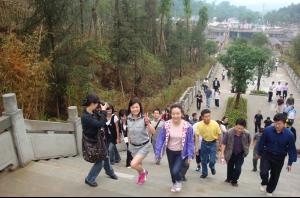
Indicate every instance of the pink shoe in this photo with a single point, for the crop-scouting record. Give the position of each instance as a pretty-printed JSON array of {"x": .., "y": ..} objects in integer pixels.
[
  {"x": 143, "y": 177},
  {"x": 139, "y": 179}
]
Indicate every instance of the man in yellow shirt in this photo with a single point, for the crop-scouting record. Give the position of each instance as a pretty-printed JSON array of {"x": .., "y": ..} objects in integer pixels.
[{"x": 211, "y": 134}]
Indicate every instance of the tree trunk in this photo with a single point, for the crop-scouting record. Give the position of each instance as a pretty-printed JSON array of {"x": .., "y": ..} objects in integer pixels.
[
  {"x": 238, "y": 100},
  {"x": 161, "y": 33},
  {"x": 180, "y": 65},
  {"x": 258, "y": 83},
  {"x": 121, "y": 83},
  {"x": 81, "y": 18}
]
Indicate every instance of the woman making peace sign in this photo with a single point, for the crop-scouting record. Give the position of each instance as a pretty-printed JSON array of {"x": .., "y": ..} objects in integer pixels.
[{"x": 139, "y": 128}]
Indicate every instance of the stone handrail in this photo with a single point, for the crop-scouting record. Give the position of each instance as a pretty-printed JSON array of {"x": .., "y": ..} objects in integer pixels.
[
  {"x": 22, "y": 141},
  {"x": 292, "y": 74},
  {"x": 8, "y": 156},
  {"x": 188, "y": 96},
  {"x": 4, "y": 123},
  {"x": 35, "y": 126}
]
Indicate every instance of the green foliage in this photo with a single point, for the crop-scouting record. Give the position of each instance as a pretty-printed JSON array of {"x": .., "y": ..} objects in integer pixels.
[
  {"x": 260, "y": 93},
  {"x": 239, "y": 60},
  {"x": 222, "y": 10},
  {"x": 259, "y": 39},
  {"x": 112, "y": 48},
  {"x": 233, "y": 114},
  {"x": 290, "y": 14},
  {"x": 211, "y": 47}
]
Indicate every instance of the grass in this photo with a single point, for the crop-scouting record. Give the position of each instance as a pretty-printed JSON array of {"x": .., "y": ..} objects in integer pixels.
[
  {"x": 234, "y": 114},
  {"x": 260, "y": 93}
]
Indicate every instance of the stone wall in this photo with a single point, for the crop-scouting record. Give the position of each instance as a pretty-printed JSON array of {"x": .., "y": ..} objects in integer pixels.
[{"x": 292, "y": 74}]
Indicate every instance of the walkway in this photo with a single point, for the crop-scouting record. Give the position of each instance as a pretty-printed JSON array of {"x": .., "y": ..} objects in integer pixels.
[{"x": 65, "y": 177}]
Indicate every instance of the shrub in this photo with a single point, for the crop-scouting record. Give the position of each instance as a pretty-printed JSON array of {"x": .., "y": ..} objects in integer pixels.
[{"x": 234, "y": 114}]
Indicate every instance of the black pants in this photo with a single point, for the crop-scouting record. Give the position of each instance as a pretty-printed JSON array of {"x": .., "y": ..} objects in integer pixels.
[
  {"x": 176, "y": 164},
  {"x": 129, "y": 157},
  {"x": 217, "y": 103},
  {"x": 270, "y": 96},
  {"x": 278, "y": 93},
  {"x": 198, "y": 158},
  {"x": 234, "y": 168},
  {"x": 273, "y": 163},
  {"x": 198, "y": 104},
  {"x": 285, "y": 94},
  {"x": 257, "y": 127}
]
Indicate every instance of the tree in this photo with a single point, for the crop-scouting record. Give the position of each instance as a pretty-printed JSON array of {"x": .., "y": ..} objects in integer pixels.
[
  {"x": 211, "y": 47},
  {"x": 261, "y": 57},
  {"x": 259, "y": 39},
  {"x": 296, "y": 48},
  {"x": 241, "y": 63},
  {"x": 188, "y": 14},
  {"x": 198, "y": 36},
  {"x": 165, "y": 7}
]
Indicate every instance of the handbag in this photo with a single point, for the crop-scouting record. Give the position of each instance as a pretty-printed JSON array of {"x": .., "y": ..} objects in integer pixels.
[{"x": 94, "y": 150}]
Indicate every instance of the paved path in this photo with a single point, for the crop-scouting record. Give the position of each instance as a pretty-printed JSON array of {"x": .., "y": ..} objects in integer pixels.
[{"x": 64, "y": 177}]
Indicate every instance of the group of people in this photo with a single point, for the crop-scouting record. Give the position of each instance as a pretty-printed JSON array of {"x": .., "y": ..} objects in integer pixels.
[
  {"x": 181, "y": 140},
  {"x": 209, "y": 94}
]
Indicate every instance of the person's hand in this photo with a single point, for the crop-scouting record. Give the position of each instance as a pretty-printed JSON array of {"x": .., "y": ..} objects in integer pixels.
[
  {"x": 189, "y": 161},
  {"x": 258, "y": 157},
  {"x": 104, "y": 107},
  {"x": 197, "y": 153},
  {"x": 147, "y": 119},
  {"x": 289, "y": 169}
]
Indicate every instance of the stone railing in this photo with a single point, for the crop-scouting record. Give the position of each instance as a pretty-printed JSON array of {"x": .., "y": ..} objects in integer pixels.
[
  {"x": 22, "y": 141},
  {"x": 8, "y": 156},
  {"x": 292, "y": 74},
  {"x": 186, "y": 100}
]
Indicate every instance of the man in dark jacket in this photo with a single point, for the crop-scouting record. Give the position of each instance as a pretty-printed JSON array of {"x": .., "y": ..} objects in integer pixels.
[
  {"x": 235, "y": 147},
  {"x": 274, "y": 145},
  {"x": 216, "y": 84}
]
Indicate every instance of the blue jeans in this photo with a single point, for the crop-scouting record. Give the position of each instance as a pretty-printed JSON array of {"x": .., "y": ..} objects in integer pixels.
[
  {"x": 208, "y": 101},
  {"x": 208, "y": 156},
  {"x": 175, "y": 164},
  {"x": 113, "y": 153},
  {"x": 96, "y": 169}
]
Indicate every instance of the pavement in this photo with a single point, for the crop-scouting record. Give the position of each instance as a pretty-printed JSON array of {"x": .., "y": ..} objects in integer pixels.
[{"x": 65, "y": 177}]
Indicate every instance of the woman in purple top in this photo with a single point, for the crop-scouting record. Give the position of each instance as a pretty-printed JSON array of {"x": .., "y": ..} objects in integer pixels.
[{"x": 177, "y": 137}]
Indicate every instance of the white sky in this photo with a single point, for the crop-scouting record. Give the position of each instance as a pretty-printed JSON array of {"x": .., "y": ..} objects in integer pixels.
[{"x": 258, "y": 5}]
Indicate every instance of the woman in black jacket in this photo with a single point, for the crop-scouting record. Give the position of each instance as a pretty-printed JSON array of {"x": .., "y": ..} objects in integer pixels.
[
  {"x": 92, "y": 124},
  {"x": 124, "y": 131}
]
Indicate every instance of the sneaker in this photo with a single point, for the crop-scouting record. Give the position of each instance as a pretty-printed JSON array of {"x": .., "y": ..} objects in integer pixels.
[
  {"x": 157, "y": 162},
  {"x": 94, "y": 184},
  {"x": 198, "y": 169},
  {"x": 235, "y": 184},
  {"x": 178, "y": 187},
  {"x": 113, "y": 176},
  {"x": 263, "y": 188},
  {"x": 227, "y": 181},
  {"x": 213, "y": 171},
  {"x": 203, "y": 176},
  {"x": 254, "y": 170},
  {"x": 269, "y": 194},
  {"x": 173, "y": 189},
  {"x": 143, "y": 178},
  {"x": 139, "y": 179}
]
